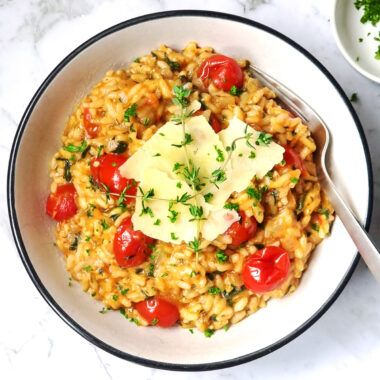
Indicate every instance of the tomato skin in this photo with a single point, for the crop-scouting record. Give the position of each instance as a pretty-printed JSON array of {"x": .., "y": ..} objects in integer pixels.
[
  {"x": 91, "y": 128},
  {"x": 223, "y": 71},
  {"x": 166, "y": 313},
  {"x": 61, "y": 205},
  {"x": 292, "y": 158},
  {"x": 215, "y": 125},
  {"x": 105, "y": 170},
  {"x": 130, "y": 247},
  {"x": 266, "y": 269},
  {"x": 242, "y": 230}
]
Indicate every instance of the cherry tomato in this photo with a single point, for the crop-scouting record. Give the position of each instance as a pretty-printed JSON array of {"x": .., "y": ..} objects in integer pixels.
[
  {"x": 91, "y": 128},
  {"x": 158, "y": 311},
  {"x": 105, "y": 171},
  {"x": 242, "y": 230},
  {"x": 293, "y": 159},
  {"x": 222, "y": 70},
  {"x": 61, "y": 204},
  {"x": 130, "y": 247},
  {"x": 215, "y": 125},
  {"x": 266, "y": 269}
]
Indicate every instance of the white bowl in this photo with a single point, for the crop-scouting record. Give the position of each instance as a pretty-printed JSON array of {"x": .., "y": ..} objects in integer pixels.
[
  {"x": 37, "y": 139},
  {"x": 347, "y": 31}
]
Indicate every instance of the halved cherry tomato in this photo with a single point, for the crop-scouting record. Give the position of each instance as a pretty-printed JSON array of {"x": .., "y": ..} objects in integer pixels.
[
  {"x": 242, "y": 230},
  {"x": 223, "y": 71},
  {"x": 293, "y": 159},
  {"x": 105, "y": 171},
  {"x": 130, "y": 247},
  {"x": 91, "y": 128},
  {"x": 215, "y": 125},
  {"x": 158, "y": 311},
  {"x": 266, "y": 269},
  {"x": 61, "y": 204}
]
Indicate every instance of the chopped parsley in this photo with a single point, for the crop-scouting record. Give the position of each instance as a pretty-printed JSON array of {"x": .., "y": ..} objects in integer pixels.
[
  {"x": 172, "y": 235},
  {"x": 209, "y": 333},
  {"x": 315, "y": 227},
  {"x": 294, "y": 180},
  {"x": 164, "y": 275},
  {"x": 104, "y": 225},
  {"x": 88, "y": 268},
  {"x": 236, "y": 91},
  {"x": 131, "y": 111},
  {"x": 214, "y": 290},
  {"x": 231, "y": 206},
  {"x": 174, "y": 66},
  {"x": 371, "y": 11},
  {"x": 137, "y": 60},
  {"x": 157, "y": 222},
  {"x": 154, "y": 322},
  {"x": 114, "y": 297},
  {"x": 324, "y": 211},
  {"x": 252, "y": 155},
  {"x": 354, "y": 97},
  {"x": 121, "y": 147},
  {"x": 221, "y": 257},
  {"x": 72, "y": 148}
]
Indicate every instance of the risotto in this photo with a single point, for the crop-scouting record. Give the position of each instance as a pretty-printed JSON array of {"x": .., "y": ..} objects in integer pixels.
[{"x": 271, "y": 226}]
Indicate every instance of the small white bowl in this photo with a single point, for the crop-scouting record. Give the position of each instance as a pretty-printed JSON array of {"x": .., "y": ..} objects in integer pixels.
[
  {"x": 348, "y": 30},
  {"x": 37, "y": 139}
]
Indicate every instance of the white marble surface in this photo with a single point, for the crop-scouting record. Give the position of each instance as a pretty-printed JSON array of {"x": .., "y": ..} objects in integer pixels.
[{"x": 34, "y": 36}]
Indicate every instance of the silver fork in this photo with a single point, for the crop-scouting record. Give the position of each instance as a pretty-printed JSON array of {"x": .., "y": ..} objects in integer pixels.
[{"x": 320, "y": 133}]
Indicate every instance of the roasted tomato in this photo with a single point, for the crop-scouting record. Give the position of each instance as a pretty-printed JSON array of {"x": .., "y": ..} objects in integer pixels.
[
  {"x": 215, "y": 125},
  {"x": 91, "y": 128},
  {"x": 61, "y": 204},
  {"x": 242, "y": 230},
  {"x": 105, "y": 172},
  {"x": 293, "y": 159},
  {"x": 266, "y": 269},
  {"x": 158, "y": 311},
  {"x": 223, "y": 71},
  {"x": 130, "y": 247}
]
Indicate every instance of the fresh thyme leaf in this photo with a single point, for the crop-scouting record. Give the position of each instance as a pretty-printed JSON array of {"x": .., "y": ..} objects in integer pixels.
[
  {"x": 173, "y": 214},
  {"x": 195, "y": 245},
  {"x": 263, "y": 139},
  {"x": 131, "y": 111},
  {"x": 208, "y": 197},
  {"x": 188, "y": 140},
  {"x": 220, "y": 157},
  {"x": 177, "y": 166},
  {"x": 181, "y": 94},
  {"x": 197, "y": 212}
]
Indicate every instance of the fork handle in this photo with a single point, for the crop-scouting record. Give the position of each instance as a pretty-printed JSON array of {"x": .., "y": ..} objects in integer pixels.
[{"x": 363, "y": 242}]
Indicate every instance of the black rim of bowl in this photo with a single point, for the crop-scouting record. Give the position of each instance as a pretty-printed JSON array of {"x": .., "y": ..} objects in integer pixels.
[{"x": 24, "y": 255}]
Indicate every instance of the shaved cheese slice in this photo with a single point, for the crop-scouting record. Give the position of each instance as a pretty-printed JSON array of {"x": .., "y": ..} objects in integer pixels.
[
  {"x": 160, "y": 165},
  {"x": 165, "y": 230},
  {"x": 218, "y": 222},
  {"x": 265, "y": 156}
]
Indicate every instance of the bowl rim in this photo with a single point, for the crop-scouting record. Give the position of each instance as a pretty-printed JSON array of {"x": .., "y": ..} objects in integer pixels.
[
  {"x": 343, "y": 49},
  {"x": 24, "y": 255}
]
